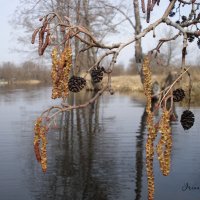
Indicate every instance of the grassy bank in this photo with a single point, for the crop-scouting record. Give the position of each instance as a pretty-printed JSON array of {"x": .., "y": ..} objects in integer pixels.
[
  {"x": 22, "y": 82},
  {"x": 132, "y": 84},
  {"x": 126, "y": 84},
  {"x": 29, "y": 82}
]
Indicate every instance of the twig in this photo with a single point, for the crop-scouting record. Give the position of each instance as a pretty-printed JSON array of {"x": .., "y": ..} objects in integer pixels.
[
  {"x": 171, "y": 86},
  {"x": 49, "y": 110},
  {"x": 163, "y": 40}
]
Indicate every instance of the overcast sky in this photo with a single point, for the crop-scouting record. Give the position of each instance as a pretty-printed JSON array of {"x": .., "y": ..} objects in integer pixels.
[{"x": 8, "y": 40}]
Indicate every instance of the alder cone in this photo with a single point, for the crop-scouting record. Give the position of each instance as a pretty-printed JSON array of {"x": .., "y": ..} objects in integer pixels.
[
  {"x": 191, "y": 38},
  {"x": 178, "y": 95},
  {"x": 97, "y": 74},
  {"x": 76, "y": 84},
  {"x": 187, "y": 119}
]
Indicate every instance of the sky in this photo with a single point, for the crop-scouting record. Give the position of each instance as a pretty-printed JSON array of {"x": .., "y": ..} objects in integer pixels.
[
  {"x": 7, "y": 33},
  {"x": 8, "y": 40}
]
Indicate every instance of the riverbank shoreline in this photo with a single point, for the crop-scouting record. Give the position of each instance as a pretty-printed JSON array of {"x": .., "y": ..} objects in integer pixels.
[
  {"x": 22, "y": 82},
  {"x": 129, "y": 84}
]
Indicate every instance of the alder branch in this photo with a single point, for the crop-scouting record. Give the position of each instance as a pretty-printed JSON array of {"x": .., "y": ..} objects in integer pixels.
[
  {"x": 166, "y": 91},
  {"x": 66, "y": 107},
  {"x": 163, "y": 40},
  {"x": 189, "y": 2},
  {"x": 63, "y": 82},
  {"x": 93, "y": 39},
  {"x": 115, "y": 49}
]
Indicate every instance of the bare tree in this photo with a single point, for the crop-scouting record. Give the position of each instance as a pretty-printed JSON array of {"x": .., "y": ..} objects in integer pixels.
[
  {"x": 172, "y": 47},
  {"x": 138, "y": 46},
  {"x": 8, "y": 70},
  {"x": 28, "y": 70},
  {"x": 90, "y": 14}
]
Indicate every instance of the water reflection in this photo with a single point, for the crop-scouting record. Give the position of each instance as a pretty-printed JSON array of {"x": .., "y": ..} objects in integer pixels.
[
  {"x": 98, "y": 153},
  {"x": 139, "y": 155},
  {"x": 90, "y": 159},
  {"x": 71, "y": 156}
]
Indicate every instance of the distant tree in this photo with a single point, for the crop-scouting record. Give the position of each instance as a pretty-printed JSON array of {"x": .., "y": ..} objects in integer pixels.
[
  {"x": 26, "y": 71},
  {"x": 138, "y": 45},
  {"x": 132, "y": 67},
  {"x": 93, "y": 15},
  {"x": 170, "y": 49},
  {"x": 119, "y": 70},
  {"x": 8, "y": 71}
]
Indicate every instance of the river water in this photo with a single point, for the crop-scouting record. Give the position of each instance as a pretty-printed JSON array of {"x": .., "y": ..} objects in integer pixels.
[{"x": 97, "y": 153}]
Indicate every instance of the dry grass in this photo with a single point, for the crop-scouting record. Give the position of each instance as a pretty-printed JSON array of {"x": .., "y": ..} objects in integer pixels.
[
  {"x": 133, "y": 84},
  {"x": 121, "y": 83},
  {"x": 127, "y": 84},
  {"x": 195, "y": 92},
  {"x": 29, "y": 82}
]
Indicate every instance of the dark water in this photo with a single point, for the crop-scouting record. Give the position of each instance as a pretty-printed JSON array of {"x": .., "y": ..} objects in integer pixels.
[{"x": 97, "y": 154}]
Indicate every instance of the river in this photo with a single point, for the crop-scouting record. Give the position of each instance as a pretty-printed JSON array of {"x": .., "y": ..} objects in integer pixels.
[{"x": 96, "y": 153}]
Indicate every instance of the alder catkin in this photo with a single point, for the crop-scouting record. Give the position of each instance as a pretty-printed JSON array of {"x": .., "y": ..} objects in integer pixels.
[
  {"x": 36, "y": 141},
  {"x": 164, "y": 145},
  {"x": 34, "y": 35},
  {"x": 60, "y": 72},
  {"x": 148, "y": 10},
  {"x": 40, "y": 136},
  {"x": 41, "y": 36},
  {"x": 67, "y": 65},
  {"x": 151, "y": 128},
  {"x": 43, "y": 149},
  {"x": 54, "y": 74},
  {"x": 143, "y": 6},
  {"x": 46, "y": 43},
  {"x": 153, "y": 4}
]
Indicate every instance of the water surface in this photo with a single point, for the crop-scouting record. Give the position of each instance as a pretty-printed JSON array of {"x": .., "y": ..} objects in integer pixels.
[{"x": 97, "y": 153}]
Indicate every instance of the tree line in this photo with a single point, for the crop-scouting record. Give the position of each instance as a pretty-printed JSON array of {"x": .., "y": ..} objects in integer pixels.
[
  {"x": 11, "y": 72},
  {"x": 28, "y": 70}
]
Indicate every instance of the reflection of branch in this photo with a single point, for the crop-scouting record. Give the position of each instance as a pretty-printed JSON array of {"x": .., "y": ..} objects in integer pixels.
[
  {"x": 67, "y": 107},
  {"x": 139, "y": 156}
]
